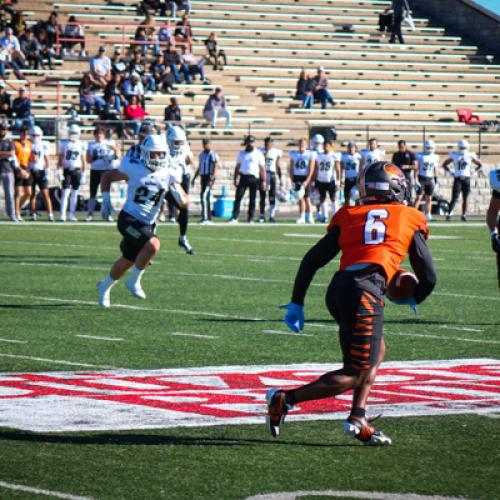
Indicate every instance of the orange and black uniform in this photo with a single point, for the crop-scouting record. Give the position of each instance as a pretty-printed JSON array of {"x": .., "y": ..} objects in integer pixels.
[
  {"x": 374, "y": 240},
  {"x": 23, "y": 154}
]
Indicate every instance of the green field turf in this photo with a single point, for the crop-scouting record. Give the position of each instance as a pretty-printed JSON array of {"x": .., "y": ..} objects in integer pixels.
[{"x": 229, "y": 292}]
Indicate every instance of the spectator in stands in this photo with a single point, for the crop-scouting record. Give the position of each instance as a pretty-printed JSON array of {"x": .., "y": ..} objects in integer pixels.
[
  {"x": 173, "y": 113},
  {"x": 177, "y": 4},
  {"x": 114, "y": 88},
  {"x": 407, "y": 162},
  {"x": 23, "y": 178},
  {"x": 75, "y": 32},
  {"x": 31, "y": 48},
  {"x": 173, "y": 60},
  {"x": 51, "y": 28},
  {"x": 216, "y": 107},
  {"x": 100, "y": 68},
  {"x": 305, "y": 90},
  {"x": 111, "y": 112},
  {"x": 46, "y": 52},
  {"x": 21, "y": 109},
  {"x": 321, "y": 92},
  {"x": 164, "y": 36},
  {"x": 134, "y": 113},
  {"x": 214, "y": 54},
  {"x": 163, "y": 76},
  {"x": 133, "y": 87},
  {"x": 385, "y": 21},
  {"x": 138, "y": 66},
  {"x": 398, "y": 8},
  {"x": 149, "y": 32},
  {"x": 13, "y": 48},
  {"x": 18, "y": 24},
  {"x": 5, "y": 101},
  {"x": 140, "y": 41},
  {"x": 191, "y": 67},
  {"x": 7, "y": 153},
  {"x": 147, "y": 6},
  {"x": 118, "y": 64},
  {"x": 183, "y": 30},
  {"x": 90, "y": 100}
]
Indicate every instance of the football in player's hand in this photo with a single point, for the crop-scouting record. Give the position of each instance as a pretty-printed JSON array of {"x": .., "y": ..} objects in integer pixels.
[{"x": 402, "y": 286}]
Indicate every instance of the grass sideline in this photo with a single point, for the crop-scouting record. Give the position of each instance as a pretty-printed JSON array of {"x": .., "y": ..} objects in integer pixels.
[{"x": 230, "y": 290}]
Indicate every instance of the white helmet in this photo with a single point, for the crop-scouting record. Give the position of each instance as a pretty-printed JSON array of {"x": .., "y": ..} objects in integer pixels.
[
  {"x": 36, "y": 133},
  {"x": 463, "y": 144},
  {"x": 317, "y": 141},
  {"x": 150, "y": 144},
  {"x": 176, "y": 138},
  {"x": 74, "y": 132},
  {"x": 429, "y": 146}
]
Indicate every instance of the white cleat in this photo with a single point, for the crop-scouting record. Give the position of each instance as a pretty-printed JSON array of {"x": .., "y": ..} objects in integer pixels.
[
  {"x": 62, "y": 218},
  {"x": 51, "y": 217},
  {"x": 135, "y": 289},
  {"x": 89, "y": 218},
  {"x": 300, "y": 221},
  {"x": 72, "y": 218},
  {"x": 311, "y": 221},
  {"x": 103, "y": 294},
  {"x": 362, "y": 430}
]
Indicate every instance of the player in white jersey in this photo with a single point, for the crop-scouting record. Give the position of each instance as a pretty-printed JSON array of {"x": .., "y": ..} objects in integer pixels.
[
  {"x": 301, "y": 170},
  {"x": 350, "y": 162},
  {"x": 39, "y": 164},
  {"x": 102, "y": 155},
  {"x": 71, "y": 165},
  {"x": 371, "y": 155},
  {"x": 492, "y": 218},
  {"x": 272, "y": 157},
  {"x": 462, "y": 170},
  {"x": 327, "y": 174},
  {"x": 428, "y": 163},
  {"x": 148, "y": 180}
]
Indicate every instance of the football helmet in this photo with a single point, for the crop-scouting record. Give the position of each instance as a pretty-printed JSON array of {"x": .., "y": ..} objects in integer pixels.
[
  {"x": 74, "y": 132},
  {"x": 154, "y": 143},
  {"x": 36, "y": 133},
  {"x": 463, "y": 144},
  {"x": 176, "y": 138},
  {"x": 317, "y": 141},
  {"x": 429, "y": 146},
  {"x": 382, "y": 181}
]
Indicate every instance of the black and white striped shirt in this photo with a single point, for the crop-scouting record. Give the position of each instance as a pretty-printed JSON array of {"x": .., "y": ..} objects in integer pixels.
[{"x": 207, "y": 161}]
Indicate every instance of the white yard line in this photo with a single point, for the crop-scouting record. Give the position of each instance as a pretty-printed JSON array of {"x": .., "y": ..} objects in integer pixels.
[
  {"x": 442, "y": 337},
  {"x": 11, "y": 341},
  {"x": 57, "y": 361},
  {"x": 39, "y": 491},
  {"x": 195, "y": 335},
  {"x": 293, "y": 334},
  {"x": 95, "y": 337},
  {"x": 460, "y": 328}
]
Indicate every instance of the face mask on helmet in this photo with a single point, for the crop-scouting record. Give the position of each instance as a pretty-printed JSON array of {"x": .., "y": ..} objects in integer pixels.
[
  {"x": 429, "y": 146},
  {"x": 463, "y": 145},
  {"x": 74, "y": 133},
  {"x": 176, "y": 139},
  {"x": 154, "y": 144}
]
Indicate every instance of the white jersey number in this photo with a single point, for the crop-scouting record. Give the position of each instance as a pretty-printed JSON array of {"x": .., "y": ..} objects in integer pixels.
[{"x": 375, "y": 227}]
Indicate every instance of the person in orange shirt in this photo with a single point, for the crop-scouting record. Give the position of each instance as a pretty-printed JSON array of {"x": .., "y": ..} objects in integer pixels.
[
  {"x": 23, "y": 181},
  {"x": 374, "y": 238}
]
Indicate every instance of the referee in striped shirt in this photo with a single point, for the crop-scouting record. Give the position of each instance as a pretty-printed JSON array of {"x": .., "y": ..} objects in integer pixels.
[{"x": 208, "y": 164}]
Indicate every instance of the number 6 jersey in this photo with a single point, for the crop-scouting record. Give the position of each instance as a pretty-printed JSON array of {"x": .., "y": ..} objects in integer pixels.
[
  {"x": 146, "y": 189},
  {"x": 378, "y": 234}
]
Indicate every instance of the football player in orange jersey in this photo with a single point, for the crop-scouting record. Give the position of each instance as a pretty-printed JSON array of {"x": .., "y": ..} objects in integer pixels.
[{"x": 374, "y": 239}]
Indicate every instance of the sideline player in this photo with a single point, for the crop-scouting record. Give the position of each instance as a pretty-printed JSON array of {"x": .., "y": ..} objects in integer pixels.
[
  {"x": 428, "y": 163},
  {"x": 39, "y": 166},
  {"x": 272, "y": 157},
  {"x": 350, "y": 162},
  {"x": 23, "y": 180},
  {"x": 301, "y": 170},
  {"x": 462, "y": 162},
  {"x": 101, "y": 154},
  {"x": 327, "y": 170},
  {"x": 71, "y": 170},
  {"x": 148, "y": 180},
  {"x": 492, "y": 218},
  {"x": 374, "y": 239},
  {"x": 181, "y": 158},
  {"x": 371, "y": 155}
]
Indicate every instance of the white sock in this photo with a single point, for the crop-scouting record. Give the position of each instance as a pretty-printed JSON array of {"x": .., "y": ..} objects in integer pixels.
[
  {"x": 72, "y": 201},
  {"x": 335, "y": 207},
  {"x": 91, "y": 206},
  {"x": 302, "y": 216},
  {"x": 324, "y": 210},
  {"x": 272, "y": 211},
  {"x": 307, "y": 216},
  {"x": 135, "y": 276},
  {"x": 64, "y": 201},
  {"x": 108, "y": 281}
]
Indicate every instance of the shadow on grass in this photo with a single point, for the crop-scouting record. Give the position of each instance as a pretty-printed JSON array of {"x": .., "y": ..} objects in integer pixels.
[
  {"x": 43, "y": 307},
  {"x": 155, "y": 440}
]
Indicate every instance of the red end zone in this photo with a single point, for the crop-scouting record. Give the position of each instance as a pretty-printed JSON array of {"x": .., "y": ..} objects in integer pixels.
[{"x": 131, "y": 399}]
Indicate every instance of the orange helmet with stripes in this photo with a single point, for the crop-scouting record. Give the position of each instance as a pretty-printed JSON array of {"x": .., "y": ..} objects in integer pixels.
[{"x": 382, "y": 182}]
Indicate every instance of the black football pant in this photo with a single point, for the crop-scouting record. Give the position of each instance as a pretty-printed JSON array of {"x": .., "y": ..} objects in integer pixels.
[
  {"x": 460, "y": 185},
  {"x": 271, "y": 187},
  {"x": 183, "y": 217},
  {"x": 396, "y": 29},
  {"x": 206, "y": 213},
  {"x": 250, "y": 182}
]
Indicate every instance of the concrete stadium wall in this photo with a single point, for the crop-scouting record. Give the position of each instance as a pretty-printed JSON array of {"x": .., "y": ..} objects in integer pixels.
[{"x": 466, "y": 18}]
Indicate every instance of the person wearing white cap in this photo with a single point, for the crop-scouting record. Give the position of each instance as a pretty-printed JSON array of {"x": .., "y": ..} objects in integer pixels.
[
  {"x": 462, "y": 162},
  {"x": 39, "y": 165},
  {"x": 321, "y": 92},
  {"x": 428, "y": 162},
  {"x": 100, "y": 68}
]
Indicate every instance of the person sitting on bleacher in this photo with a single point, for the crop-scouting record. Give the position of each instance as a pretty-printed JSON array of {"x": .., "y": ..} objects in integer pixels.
[
  {"x": 164, "y": 36},
  {"x": 164, "y": 78},
  {"x": 46, "y": 52},
  {"x": 21, "y": 109},
  {"x": 149, "y": 31},
  {"x": 321, "y": 91},
  {"x": 216, "y": 107},
  {"x": 183, "y": 30},
  {"x": 5, "y": 101},
  {"x": 100, "y": 68},
  {"x": 177, "y": 5},
  {"x": 90, "y": 100},
  {"x": 173, "y": 60},
  {"x": 192, "y": 67},
  {"x": 138, "y": 66},
  {"x": 76, "y": 33},
  {"x": 31, "y": 48},
  {"x": 13, "y": 48},
  {"x": 134, "y": 113},
  {"x": 214, "y": 54},
  {"x": 305, "y": 89},
  {"x": 114, "y": 88},
  {"x": 18, "y": 24},
  {"x": 118, "y": 64},
  {"x": 51, "y": 27},
  {"x": 133, "y": 86},
  {"x": 112, "y": 113},
  {"x": 173, "y": 113}
]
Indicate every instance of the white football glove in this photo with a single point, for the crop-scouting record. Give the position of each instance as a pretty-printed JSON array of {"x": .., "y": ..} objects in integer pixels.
[
  {"x": 300, "y": 193},
  {"x": 106, "y": 207},
  {"x": 83, "y": 177},
  {"x": 59, "y": 175}
]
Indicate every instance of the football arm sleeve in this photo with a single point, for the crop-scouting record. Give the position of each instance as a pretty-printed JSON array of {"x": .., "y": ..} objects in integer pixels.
[
  {"x": 318, "y": 256},
  {"x": 423, "y": 265}
]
